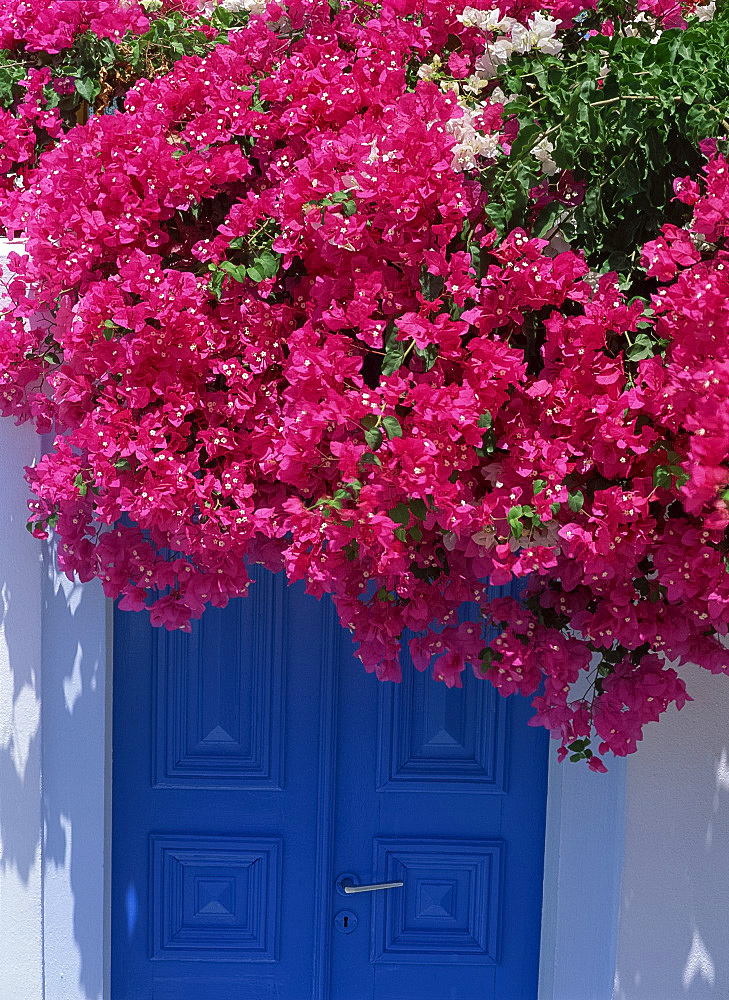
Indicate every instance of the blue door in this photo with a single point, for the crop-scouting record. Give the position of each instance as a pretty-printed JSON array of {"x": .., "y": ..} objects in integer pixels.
[{"x": 260, "y": 775}]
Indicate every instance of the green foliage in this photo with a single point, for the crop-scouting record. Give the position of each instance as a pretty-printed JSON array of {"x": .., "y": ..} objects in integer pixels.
[{"x": 625, "y": 114}]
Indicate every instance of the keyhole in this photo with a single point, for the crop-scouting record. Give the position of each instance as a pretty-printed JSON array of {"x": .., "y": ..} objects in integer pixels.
[{"x": 345, "y": 922}]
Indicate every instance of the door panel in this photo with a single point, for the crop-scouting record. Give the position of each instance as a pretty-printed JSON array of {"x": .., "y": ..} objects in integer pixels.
[
  {"x": 219, "y": 710},
  {"x": 214, "y": 838},
  {"x": 255, "y": 761},
  {"x": 433, "y": 739},
  {"x": 446, "y": 792}
]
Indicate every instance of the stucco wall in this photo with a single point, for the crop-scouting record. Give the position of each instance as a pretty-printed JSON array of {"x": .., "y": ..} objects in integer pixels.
[
  {"x": 74, "y": 703},
  {"x": 673, "y": 940},
  {"x": 21, "y": 941},
  {"x": 52, "y": 754},
  {"x": 52, "y": 758}
]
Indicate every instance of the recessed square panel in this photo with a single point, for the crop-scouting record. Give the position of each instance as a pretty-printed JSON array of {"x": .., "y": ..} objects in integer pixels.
[
  {"x": 215, "y": 898},
  {"x": 219, "y": 691},
  {"x": 437, "y": 739},
  {"x": 447, "y": 911}
]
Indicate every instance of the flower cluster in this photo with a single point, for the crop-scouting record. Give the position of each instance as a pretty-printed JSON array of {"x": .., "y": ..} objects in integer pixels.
[
  {"x": 62, "y": 59},
  {"x": 268, "y": 318},
  {"x": 52, "y": 25}
]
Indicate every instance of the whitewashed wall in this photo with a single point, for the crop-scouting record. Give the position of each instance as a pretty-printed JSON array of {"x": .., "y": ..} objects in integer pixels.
[
  {"x": 52, "y": 758},
  {"x": 21, "y": 917},
  {"x": 673, "y": 940},
  {"x": 74, "y": 756},
  {"x": 52, "y": 754}
]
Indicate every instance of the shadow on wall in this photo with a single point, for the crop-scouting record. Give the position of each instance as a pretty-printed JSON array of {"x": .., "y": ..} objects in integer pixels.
[
  {"x": 20, "y": 733},
  {"x": 20, "y": 725},
  {"x": 674, "y": 923},
  {"x": 74, "y": 667}
]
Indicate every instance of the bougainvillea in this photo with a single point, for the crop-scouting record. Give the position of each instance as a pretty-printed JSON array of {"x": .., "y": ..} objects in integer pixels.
[{"x": 335, "y": 297}]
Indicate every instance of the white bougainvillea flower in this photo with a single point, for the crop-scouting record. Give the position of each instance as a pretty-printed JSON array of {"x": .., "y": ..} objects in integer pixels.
[
  {"x": 486, "y": 20},
  {"x": 543, "y": 152},
  {"x": 239, "y": 6},
  {"x": 472, "y": 144},
  {"x": 496, "y": 55},
  {"x": 706, "y": 11},
  {"x": 538, "y": 34}
]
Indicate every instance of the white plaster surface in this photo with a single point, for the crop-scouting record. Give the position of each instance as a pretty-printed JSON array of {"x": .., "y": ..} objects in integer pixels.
[
  {"x": 52, "y": 753},
  {"x": 582, "y": 866},
  {"x": 21, "y": 940},
  {"x": 74, "y": 686},
  {"x": 673, "y": 940}
]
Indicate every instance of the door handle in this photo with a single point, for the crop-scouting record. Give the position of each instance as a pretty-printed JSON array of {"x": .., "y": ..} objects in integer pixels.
[{"x": 349, "y": 889}]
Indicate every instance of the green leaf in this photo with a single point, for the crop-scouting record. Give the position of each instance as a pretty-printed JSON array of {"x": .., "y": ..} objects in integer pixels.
[
  {"x": 418, "y": 507},
  {"x": 392, "y": 427},
  {"x": 485, "y": 420},
  {"x": 662, "y": 477},
  {"x": 548, "y": 218},
  {"x": 88, "y": 89},
  {"x": 401, "y": 534},
  {"x": 642, "y": 347},
  {"x": 488, "y": 441},
  {"x": 486, "y": 656},
  {"x": 394, "y": 355},
  {"x": 373, "y": 437},
  {"x": 217, "y": 279},
  {"x": 400, "y": 513},
  {"x": 416, "y": 533},
  {"x": 579, "y": 746},
  {"x": 429, "y": 355},
  {"x": 538, "y": 486},
  {"x": 576, "y": 501},
  {"x": 265, "y": 266},
  {"x": 236, "y": 271},
  {"x": 528, "y": 137}
]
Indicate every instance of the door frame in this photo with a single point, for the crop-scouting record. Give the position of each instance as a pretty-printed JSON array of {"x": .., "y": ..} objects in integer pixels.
[{"x": 583, "y": 855}]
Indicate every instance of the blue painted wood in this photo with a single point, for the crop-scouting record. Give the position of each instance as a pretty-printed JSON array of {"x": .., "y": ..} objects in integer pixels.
[{"x": 255, "y": 761}]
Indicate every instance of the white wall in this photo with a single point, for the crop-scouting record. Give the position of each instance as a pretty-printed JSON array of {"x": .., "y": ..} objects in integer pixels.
[
  {"x": 52, "y": 758},
  {"x": 582, "y": 869},
  {"x": 74, "y": 707},
  {"x": 21, "y": 940},
  {"x": 674, "y": 923},
  {"x": 52, "y": 754}
]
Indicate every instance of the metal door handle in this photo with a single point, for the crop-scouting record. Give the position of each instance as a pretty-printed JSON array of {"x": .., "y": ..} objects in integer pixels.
[{"x": 349, "y": 889}]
